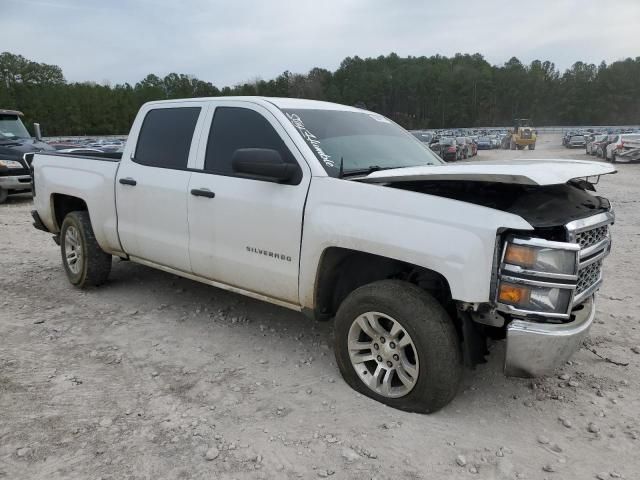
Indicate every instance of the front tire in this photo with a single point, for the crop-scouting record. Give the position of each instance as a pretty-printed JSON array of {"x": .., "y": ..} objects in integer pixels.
[
  {"x": 85, "y": 263},
  {"x": 396, "y": 344},
  {"x": 4, "y": 193}
]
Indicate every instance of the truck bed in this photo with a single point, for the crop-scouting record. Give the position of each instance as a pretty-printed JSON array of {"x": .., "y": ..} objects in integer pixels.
[{"x": 90, "y": 178}]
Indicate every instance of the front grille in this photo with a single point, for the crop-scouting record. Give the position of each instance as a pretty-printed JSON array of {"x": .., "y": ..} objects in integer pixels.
[
  {"x": 14, "y": 172},
  {"x": 587, "y": 276},
  {"x": 593, "y": 236}
]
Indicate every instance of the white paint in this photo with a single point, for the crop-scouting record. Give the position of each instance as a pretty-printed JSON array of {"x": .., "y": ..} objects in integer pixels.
[
  {"x": 222, "y": 241},
  {"x": 526, "y": 172}
]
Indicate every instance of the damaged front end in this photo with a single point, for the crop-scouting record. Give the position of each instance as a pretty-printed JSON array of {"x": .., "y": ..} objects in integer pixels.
[
  {"x": 546, "y": 289},
  {"x": 544, "y": 280}
]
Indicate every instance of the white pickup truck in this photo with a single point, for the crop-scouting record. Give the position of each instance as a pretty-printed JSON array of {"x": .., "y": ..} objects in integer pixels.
[{"x": 338, "y": 212}]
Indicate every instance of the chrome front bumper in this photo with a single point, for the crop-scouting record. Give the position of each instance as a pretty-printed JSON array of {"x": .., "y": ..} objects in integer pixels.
[
  {"x": 16, "y": 182},
  {"x": 535, "y": 349}
]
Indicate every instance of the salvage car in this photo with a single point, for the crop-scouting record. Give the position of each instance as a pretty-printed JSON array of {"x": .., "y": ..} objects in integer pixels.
[
  {"x": 616, "y": 146},
  {"x": 339, "y": 213},
  {"x": 593, "y": 142},
  {"x": 448, "y": 149},
  {"x": 576, "y": 141},
  {"x": 464, "y": 147},
  {"x": 484, "y": 143}
]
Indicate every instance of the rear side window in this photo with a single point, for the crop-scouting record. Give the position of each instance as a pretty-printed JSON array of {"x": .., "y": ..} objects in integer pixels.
[
  {"x": 165, "y": 137},
  {"x": 233, "y": 128}
]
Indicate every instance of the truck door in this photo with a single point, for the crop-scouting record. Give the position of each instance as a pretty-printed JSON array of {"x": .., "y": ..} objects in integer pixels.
[
  {"x": 246, "y": 233},
  {"x": 151, "y": 185}
]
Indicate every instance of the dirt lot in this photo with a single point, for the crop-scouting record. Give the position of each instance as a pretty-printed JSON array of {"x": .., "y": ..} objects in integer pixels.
[{"x": 152, "y": 376}]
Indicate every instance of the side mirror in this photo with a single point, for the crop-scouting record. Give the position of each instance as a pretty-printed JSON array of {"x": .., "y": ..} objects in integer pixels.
[
  {"x": 263, "y": 164},
  {"x": 36, "y": 130}
]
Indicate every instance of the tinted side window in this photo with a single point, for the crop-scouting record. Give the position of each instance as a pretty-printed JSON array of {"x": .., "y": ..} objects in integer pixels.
[
  {"x": 165, "y": 137},
  {"x": 235, "y": 128}
]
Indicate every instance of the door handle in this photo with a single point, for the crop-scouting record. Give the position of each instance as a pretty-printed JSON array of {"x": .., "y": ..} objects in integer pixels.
[
  {"x": 128, "y": 181},
  {"x": 202, "y": 192}
]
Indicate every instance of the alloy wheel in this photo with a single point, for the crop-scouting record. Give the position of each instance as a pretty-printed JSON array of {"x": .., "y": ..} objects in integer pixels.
[
  {"x": 73, "y": 249},
  {"x": 383, "y": 354}
]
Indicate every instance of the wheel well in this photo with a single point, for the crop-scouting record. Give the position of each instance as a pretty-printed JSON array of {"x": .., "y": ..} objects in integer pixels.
[
  {"x": 343, "y": 270},
  {"x": 64, "y": 204}
]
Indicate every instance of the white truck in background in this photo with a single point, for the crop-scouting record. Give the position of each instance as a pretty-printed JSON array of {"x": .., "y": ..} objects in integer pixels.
[{"x": 338, "y": 212}]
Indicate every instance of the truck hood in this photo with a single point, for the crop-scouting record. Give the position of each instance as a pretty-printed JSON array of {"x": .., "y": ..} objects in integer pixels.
[
  {"x": 15, "y": 149},
  {"x": 523, "y": 172}
]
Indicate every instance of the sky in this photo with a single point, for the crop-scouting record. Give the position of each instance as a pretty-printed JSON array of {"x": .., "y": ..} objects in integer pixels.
[{"x": 233, "y": 41}]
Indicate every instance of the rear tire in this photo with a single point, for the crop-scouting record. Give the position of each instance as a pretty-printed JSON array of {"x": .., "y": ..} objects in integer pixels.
[
  {"x": 532, "y": 146},
  {"x": 85, "y": 263},
  {"x": 4, "y": 193},
  {"x": 425, "y": 376}
]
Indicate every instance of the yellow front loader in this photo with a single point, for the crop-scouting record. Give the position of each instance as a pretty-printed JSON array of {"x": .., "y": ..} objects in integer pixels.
[{"x": 522, "y": 135}]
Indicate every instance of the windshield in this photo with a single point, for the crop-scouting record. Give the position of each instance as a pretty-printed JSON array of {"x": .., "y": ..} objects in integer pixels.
[
  {"x": 423, "y": 137},
  {"x": 12, "y": 127},
  {"x": 447, "y": 141},
  {"x": 577, "y": 137},
  {"x": 360, "y": 140}
]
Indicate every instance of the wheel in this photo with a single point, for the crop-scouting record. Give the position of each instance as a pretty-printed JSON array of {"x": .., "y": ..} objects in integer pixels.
[
  {"x": 532, "y": 146},
  {"x": 613, "y": 157},
  {"x": 512, "y": 145},
  {"x": 4, "y": 193},
  {"x": 84, "y": 261},
  {"x": 396, "y": 344}
]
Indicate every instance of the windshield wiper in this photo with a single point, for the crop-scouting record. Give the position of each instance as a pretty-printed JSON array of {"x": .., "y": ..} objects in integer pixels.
[{"x": 363, "y": 171}]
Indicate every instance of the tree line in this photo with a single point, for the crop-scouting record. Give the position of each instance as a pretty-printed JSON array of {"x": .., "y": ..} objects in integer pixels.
[{"x": 417, "y": 92}]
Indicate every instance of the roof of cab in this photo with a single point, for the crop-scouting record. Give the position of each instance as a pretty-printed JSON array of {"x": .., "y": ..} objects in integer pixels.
[
  {"x": 280, "y": 102},
  {"x": 11, "y": 112}
]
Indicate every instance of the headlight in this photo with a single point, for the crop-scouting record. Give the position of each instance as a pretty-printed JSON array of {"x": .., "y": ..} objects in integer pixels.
[
  {"x": 541, "y": 258},
  {"x": 535, "y": 299},
  {"x": 10, "y": 164},
  {"x": 537, "y": 276}
]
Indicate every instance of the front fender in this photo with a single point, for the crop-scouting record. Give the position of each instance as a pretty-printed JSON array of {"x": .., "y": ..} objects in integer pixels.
[{"x": 454, "y": 238}]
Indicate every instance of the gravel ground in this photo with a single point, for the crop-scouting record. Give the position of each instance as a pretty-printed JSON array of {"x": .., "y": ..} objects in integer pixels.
[{"x": 153, "y": 376}]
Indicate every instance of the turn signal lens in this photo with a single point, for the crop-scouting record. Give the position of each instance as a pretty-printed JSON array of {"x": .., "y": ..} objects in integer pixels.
[
  {"x": 520, "y": 255},
  {"x": 514, "y": 294}
]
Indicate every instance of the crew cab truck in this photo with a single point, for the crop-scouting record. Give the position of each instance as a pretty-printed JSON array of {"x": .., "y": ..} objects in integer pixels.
[
  {"x": 339, "y": 213},
  {"x": 15, "y": 141}
]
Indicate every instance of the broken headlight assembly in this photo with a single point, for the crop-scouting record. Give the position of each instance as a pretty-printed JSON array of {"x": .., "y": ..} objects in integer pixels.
[{"x": 537, "y": 277}]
